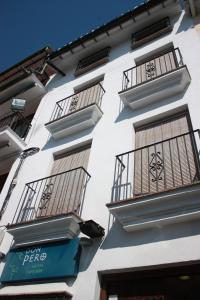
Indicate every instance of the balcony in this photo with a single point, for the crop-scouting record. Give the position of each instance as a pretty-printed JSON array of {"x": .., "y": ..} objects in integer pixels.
[
  {"x": 13, "y": 130},
  {"x": 158, "y": 184},
  {"x": 77, "y": 112},
  {"x": 50, "y": 208},
  {"x": 157, "y": 78},
  {"x": 26, "y": 84},
  {"x": 28, "y": 78}
]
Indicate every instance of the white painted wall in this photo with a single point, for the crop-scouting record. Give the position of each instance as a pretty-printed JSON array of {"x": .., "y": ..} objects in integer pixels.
[{"x": 112, "y": 135}]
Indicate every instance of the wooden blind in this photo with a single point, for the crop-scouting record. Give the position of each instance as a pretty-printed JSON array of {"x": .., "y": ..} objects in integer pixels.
[
  {"x": 161, "y": 130},
  {"x": 155, "y": 66},
  {"x": 92, "y": 61},
  {"x": 88, "y": 95},
  {"x": 64, "y": 193},
  {"x": 177, "y": 164},
  {"x": 151, "y": 32},
  {"x": 70, "y": 160}
]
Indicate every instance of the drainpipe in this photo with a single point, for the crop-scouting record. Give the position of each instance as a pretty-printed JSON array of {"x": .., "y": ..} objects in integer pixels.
[
  {"x": 192, "y": 8},
  {"x": 23, "y": 155}
]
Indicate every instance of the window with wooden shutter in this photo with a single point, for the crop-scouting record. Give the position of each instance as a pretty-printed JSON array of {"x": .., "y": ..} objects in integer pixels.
[
  {"x": 154, "y": 66},
  {"x": 70, "y": 160},
  {"x": 166, "y": 156},
  {"x": 86, "y": 96},
  {"x": 151, "y": 32},
  {"x": 64, "y": 193},
  {"x": 92, "y": 61}
]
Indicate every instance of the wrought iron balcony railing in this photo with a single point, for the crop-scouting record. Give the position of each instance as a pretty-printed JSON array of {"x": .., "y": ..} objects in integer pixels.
[
  {"x": 153, "y": 68},
  {"x": 54, "y": 195},
  {"x": 158, "y": 167},
  {"x": 17, "y": 122},
  {"x": 78, "y": 101}
]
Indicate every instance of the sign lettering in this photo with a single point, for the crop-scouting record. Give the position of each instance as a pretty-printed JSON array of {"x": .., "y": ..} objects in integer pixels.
[{"x": 33, "y": 255}]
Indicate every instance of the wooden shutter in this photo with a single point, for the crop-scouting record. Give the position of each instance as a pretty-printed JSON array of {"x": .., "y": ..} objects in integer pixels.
[
  {"x": 167, "y": 164},
  {"x": 71, "y": 160},
  {"x": 92, "y": 61},
  {"x": 155, "y": 66},
  {"x": 151, "y": 32},
  {"x": 86, "y": 97},
  {"x": 63, "y": 193}
]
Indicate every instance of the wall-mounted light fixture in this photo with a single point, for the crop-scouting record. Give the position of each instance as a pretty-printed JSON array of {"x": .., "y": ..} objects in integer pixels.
[
  {"x": 91, "y": 229},
  {"x": 18, "y": 105}
]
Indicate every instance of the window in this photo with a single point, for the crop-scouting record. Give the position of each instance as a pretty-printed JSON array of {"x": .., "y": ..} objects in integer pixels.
[
  {"x": 151, "y": 32},
  {"x": 166, "y": 155},
  {"x": 92, "y": 61},
  {"x": 157, "y": 65},
  {"x": 86, "y": 96},
  {"x": 64, "y": 190},
  {"x": 3, "y": 178}
]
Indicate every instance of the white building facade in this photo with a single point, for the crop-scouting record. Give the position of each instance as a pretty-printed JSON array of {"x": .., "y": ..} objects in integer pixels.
[{"x": 100, "y": 196}]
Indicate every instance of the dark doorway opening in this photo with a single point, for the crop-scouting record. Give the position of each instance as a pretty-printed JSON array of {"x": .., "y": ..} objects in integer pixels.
[{"x": 173, "y": 283}]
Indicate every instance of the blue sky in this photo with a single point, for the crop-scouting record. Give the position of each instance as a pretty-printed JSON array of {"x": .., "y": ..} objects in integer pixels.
[{"x": 29, "y": 25}]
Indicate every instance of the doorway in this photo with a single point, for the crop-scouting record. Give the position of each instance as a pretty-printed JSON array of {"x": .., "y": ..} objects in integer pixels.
[{"x": 162, "y": 283}]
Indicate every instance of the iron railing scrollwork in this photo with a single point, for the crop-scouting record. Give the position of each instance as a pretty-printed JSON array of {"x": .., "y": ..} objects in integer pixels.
[
  {"x": 161, "y": 166},
  {"x": 53, "y": 195},
  {"x": 78, "y": 101},
  {"x": 155, "y": 67}
]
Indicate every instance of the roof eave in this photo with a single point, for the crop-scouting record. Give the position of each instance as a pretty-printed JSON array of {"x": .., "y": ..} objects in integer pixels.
[{"x": 108, "y": 26}]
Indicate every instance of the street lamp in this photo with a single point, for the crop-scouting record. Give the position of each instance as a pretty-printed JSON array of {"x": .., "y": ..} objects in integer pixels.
[{"x": 23, "y": 155}]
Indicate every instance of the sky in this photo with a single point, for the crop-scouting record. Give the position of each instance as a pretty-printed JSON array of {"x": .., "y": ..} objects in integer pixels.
[{"x": 29, "y": 25}]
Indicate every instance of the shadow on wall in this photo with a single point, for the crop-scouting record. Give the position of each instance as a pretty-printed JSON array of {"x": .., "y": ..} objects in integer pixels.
[
  {"x": 186, "y": 23},
  {"x": 88, "y": 253},
  {"x": 55, "y": 143},
  {"x": 117, "y": 237},
  {"x": 120, "y": 50},
  {"x": 60, "y": 80},
  {"x": 127, "y": 113}
]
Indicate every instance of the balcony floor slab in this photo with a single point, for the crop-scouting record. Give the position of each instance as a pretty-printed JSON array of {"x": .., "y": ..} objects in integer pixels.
[
  {"x": 162, "y": 87},
  {"x": 27, "y": 87},
  {"x": 10, "y": 143},
  {"x": 45, "y": 229},
  {"x": 175, "y": 206},
  {"x": 75, "y": 122}
]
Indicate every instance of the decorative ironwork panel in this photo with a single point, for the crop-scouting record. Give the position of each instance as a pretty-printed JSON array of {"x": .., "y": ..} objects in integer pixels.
[
  {"x": 46, "y": 196},
  {"x": 156, "y": 166},
  {"x": 73, "y": 104},
  {"x": 150, "y": 69}
]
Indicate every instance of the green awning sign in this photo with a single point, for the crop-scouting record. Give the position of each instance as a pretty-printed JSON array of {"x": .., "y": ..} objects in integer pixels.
[{"x": 46, "y": 261}]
